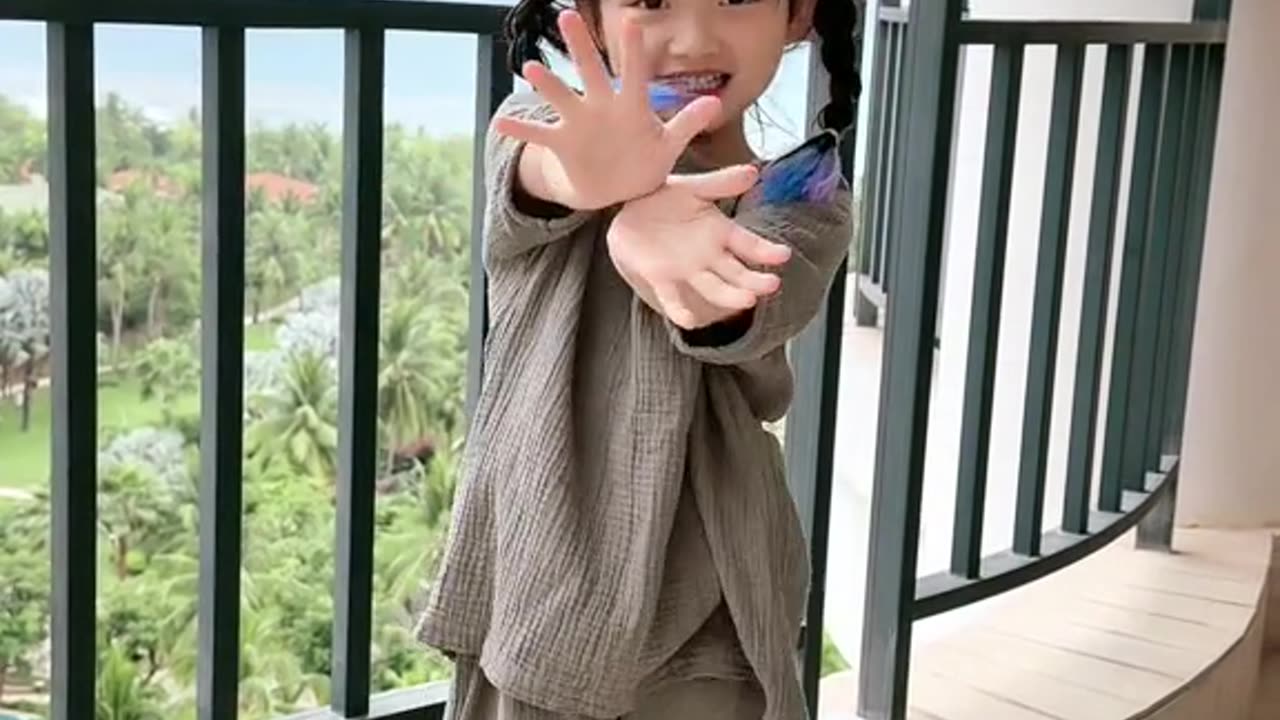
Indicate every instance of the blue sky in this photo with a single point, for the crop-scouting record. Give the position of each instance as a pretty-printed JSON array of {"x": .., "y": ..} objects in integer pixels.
[{"x": 296, "y": 76}]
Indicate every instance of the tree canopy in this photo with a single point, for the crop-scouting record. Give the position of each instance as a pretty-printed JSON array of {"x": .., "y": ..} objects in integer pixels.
[{"x": 148, "y": 286}]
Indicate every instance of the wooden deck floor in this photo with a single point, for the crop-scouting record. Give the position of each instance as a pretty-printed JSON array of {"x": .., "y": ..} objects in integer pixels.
[{"x": 1104, "y": 639}]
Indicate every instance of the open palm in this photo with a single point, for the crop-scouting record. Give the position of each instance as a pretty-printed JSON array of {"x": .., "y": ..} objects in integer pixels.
[
  {"x": 687, "y": 259},
  {"x": 587, "y": 165}
]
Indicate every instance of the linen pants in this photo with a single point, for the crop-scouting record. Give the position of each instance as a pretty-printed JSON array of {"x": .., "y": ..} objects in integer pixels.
[{"x": 474, "y": 698}]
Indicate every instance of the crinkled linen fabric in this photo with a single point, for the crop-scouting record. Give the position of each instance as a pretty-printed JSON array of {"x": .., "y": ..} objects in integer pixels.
[{"x": 622, "y": 520}]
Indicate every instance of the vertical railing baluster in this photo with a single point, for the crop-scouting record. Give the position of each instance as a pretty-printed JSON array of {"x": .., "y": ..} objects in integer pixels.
[
  {"x": 73, "y": 368},
  {"x": 984, "y": 319},
  {"x": 897, "y": 152},
  {"x": 865, "y": 311},
  {"x": 1146, "y": 142},
  {"x": 1097, "y": 282},
  {"x": 1055, "y": 221},
  {"x": 906, "y": 384},
  {"x": 1189, "y": 292},
  {"x": 1179, "y": 218},
  {"x": 494, "y": 82},
  {"x": 889, "y": 97},
  {"x": 222, "y": 367},
  {"x": 358, "y": 367},
  {"x": 1135, "y": 464},
  {"x": 811, "y": 422}
]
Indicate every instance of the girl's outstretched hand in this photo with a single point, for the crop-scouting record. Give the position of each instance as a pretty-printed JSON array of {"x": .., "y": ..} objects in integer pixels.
[
  {"x": 607, "y": 146},
  {"x": 687, "y": 259}
]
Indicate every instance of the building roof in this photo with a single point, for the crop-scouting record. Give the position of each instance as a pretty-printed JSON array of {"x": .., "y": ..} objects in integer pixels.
[
  {"x": 162, "y": 185},
  {"x": 277, "y": 187},
  {"x": 33, "y": 196}
]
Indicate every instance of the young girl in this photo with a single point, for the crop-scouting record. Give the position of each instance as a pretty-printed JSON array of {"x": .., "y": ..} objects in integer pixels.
[{"x": 623, "y": 543}]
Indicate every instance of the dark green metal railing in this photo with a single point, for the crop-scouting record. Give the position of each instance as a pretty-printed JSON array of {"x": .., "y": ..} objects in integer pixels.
[
  {"x": 902, "y": 262},
  {"x": 911, "y": 138},
  {"x": 70, "y": 26},
  {"x": 890, "y": 28}
]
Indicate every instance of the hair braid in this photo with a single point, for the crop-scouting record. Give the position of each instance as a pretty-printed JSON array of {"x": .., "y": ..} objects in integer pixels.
[
  {"x": 527, "y": 24},
  {"x": 836, "y": 22}
]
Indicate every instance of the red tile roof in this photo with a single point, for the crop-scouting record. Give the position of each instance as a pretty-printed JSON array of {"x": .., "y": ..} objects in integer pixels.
[{"x": 278, "y": 187}]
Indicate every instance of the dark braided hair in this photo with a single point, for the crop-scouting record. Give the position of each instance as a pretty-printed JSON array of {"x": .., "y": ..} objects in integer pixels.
[
  {"x": 834, "y": 21},
  {"x": 528, "y": 23}
]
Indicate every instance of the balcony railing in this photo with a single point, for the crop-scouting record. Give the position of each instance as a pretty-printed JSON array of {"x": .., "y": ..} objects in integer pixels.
[
  {"x": 902, "y": 264},
  {"x": 71, "y": 112}
]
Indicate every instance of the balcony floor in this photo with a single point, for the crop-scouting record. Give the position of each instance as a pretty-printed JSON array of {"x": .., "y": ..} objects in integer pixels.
[{"x": 1107, "y": 638}]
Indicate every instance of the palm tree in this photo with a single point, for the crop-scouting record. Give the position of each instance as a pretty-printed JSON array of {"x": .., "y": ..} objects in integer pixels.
[
  {"x": 122, "y": 694},
  {"x": 404, "y": 378},
  {"x": 298, "y": 419},
  {"x": 168, "y": 370},
  {"x": 169, "y": 244},
  {"x": 274, "y": 262},
  {"x": 121, "y": 261}
]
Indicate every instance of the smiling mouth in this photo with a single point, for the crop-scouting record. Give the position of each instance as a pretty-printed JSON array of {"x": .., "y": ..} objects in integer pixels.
[{"x": 699, "y": 83}]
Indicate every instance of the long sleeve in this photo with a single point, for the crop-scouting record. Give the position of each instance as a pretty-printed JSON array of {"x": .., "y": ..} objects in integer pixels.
[
  {"x": 819, "y": 236},
  {"x": 509, "y": 231}
]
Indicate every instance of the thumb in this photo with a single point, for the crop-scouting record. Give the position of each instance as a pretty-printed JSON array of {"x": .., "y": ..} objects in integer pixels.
[
  {"x": 692, "y": 119},
  {"x": 717, "y": 184}
]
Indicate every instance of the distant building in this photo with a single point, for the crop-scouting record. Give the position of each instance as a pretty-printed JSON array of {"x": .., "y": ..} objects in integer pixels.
[
  {"x": 278, "y": 187},
  {"x": 33, "y": 195},
  {"x": 162, "y": 185}
]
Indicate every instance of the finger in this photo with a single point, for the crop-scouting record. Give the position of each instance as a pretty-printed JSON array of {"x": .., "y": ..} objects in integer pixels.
[
  {"x": 530, "y": 131},
  {"x": 585, "y": 55},
  {"x": 551, "y": 88},
  {"x": 634, "y": 68},
  {"x": 717, "y": 184},
  {"x": 692, "y": 119},
  {"x": 716, "y": 291},
  {"x": 675, "y": 308},
  {"x": 751, "y": 248},
  {"x": 735, "y": 273}
]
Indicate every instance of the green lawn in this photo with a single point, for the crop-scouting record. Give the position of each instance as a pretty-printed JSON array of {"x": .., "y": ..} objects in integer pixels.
[
  {"x": 261, "y": 337},
  {"x": 25, "y": 456}
]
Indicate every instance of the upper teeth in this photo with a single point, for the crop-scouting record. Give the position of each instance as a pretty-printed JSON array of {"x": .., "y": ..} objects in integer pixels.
[{"x": 703, "y": 81}]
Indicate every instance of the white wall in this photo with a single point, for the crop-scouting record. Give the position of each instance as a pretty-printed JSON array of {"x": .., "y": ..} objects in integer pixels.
[{"x": 1231, "y": 474}]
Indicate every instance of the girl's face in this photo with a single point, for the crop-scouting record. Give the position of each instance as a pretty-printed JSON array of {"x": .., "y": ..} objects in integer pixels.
[{"x": 729, "y": 48}]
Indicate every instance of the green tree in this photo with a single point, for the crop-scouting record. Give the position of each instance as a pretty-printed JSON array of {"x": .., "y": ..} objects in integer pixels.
[
  {"x": 298, "y": 420},
  {"x": 24, "y": 591},
  {"x": 121, "y": 263},
  {"x": 167, "y": 371},
  {"x": 274, "y": 262},
  {"x": 405, "y": 376},
  {"x": 24, "y": 329},
  {"x": 123, "y": 693},
  {"x": 171, "y": 260},
  {"x": 23, "y": 146},
  {"x": 126, "y": 139},
  {"x": 24, "y": 238}
]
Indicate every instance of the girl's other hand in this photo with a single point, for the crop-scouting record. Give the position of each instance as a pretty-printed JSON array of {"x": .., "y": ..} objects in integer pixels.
[
  {"x": 688, "y": 260},
  {"x": 607, "y": 146}
]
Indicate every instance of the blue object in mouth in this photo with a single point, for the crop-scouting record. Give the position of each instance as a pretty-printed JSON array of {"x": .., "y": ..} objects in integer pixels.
[{"x": 663, "y": 97}]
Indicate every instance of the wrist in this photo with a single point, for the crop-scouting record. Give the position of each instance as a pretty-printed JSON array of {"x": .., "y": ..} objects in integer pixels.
[
  {"x": 722, "y": 332},
  {"x": 534, "y": 179}
]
